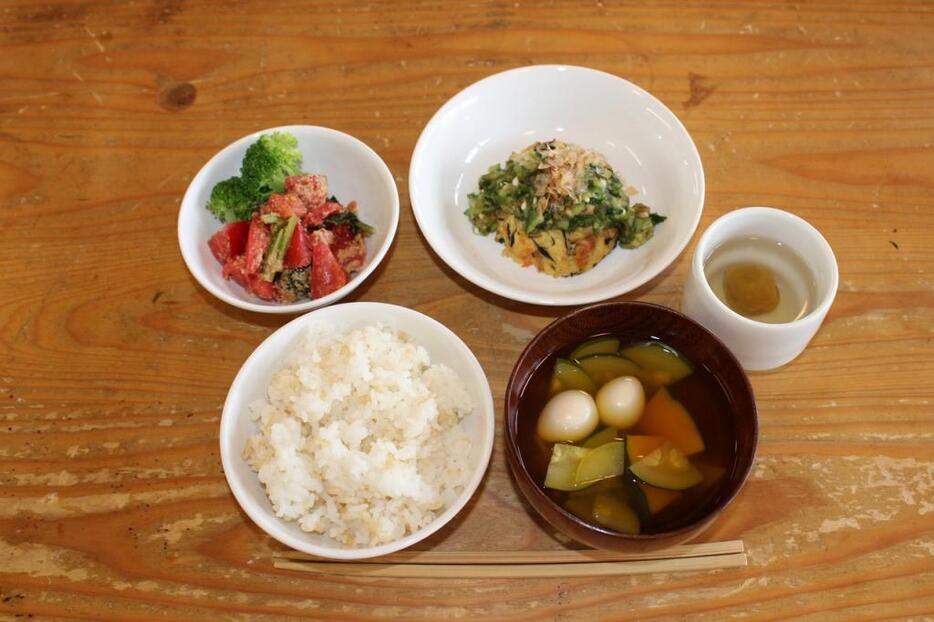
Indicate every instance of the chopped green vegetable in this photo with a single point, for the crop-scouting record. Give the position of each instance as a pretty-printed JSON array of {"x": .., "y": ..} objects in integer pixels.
[
  {"x": 281, "y": 236},
  {"x": 349, "y": 218},
  {"x": 555, "y": 185},
  {"x": 272, "y": 219}
]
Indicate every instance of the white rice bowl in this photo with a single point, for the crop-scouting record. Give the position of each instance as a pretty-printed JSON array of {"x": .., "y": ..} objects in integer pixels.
[
  {"x": 363, "y": 491},
  {"x": 359, "y": 438}
]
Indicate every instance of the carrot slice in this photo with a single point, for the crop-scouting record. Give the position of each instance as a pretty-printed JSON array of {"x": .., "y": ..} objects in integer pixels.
[{"x": 665, "y": 416}]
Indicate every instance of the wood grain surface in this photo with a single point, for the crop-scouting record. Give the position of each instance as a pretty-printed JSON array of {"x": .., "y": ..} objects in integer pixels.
[{"x": 114, "y": 363}]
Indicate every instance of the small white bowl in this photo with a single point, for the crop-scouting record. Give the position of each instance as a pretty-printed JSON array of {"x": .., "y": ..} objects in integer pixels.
[
  {"x": 760, "y": 346},
  {"x": 483, "y": 124},
  {"x": 237, "y": 426},
  {"x": 355, "y": 173}
]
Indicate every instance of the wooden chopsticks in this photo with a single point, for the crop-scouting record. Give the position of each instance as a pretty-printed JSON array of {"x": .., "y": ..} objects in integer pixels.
[{"x": 524, "y": 564}]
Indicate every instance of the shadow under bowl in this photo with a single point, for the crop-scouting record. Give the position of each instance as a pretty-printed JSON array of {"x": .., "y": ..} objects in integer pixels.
[{"x": 631, "y": 322}]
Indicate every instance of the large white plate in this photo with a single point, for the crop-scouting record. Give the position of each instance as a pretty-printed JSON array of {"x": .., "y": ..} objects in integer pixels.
[{"x": 483, "y": 124}]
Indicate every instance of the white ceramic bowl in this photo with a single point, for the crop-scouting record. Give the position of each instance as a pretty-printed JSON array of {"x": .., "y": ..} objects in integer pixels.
[
  {"x": 443, "y": 346},
  {"x": 486, "y": 122},
  {"x": 355, "y": 173}
]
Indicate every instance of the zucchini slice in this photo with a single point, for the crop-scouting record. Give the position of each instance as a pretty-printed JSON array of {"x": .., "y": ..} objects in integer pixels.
[
  {"x": 599, "y": 345},
  {"x": 613, "y": 513},
  {"x": 603, "y": 462},
  {"x": 563, "y": 466},
  {"x": 605, "y": 367},
  {"x": 567, "y": 375},
  {"x": 663, "y": 365},
  {"x": 667, "y": 467},
  {"x": 603, "y": 436}
]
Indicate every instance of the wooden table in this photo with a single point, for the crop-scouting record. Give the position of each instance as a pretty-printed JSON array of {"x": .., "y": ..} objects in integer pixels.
[{"x": 114, "y": 363}]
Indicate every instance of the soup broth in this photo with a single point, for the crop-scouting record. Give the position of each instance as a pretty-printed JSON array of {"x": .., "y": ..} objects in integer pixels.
[{"x": 698, "y": 392}]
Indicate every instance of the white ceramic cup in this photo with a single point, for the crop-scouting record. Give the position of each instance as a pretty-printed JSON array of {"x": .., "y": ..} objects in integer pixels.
[{"x": 760, "y": 345}]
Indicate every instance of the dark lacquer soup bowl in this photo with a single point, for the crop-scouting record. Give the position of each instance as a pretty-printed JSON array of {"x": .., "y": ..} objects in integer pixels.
[{"x": 717, "y": 393}]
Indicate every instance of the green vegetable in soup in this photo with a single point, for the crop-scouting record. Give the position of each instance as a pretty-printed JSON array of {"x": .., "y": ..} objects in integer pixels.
[
  {"x": 567, "y": 375},
  {"x": 605, "y": 367},
  {"x": 663, "y": 364},
  {"x": 580, "y": 506},
  {"x": 600, "y": 345},
  {"x": 599, "y": 438},
  {"x": 667, "y": 467},
  {"x": 613, "y": 513},
  {"x": 562, "y": 468},
  {"x": 603, "y": 462}
]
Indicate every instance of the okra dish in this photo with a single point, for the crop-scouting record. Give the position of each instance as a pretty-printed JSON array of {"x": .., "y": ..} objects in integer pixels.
[
  {"x": 558, "y": 207},
  {"x": 628, "y": 437}
]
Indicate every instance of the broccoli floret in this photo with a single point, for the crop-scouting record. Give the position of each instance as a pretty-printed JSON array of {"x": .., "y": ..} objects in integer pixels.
[
  {"x": 269, "y": 161},
  {"x": 265, "y": 166},
  {"x": 232, "y": 200}
]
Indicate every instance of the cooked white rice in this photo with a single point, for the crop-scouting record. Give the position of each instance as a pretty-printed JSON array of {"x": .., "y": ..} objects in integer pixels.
[{"x": 359, "y": 438}]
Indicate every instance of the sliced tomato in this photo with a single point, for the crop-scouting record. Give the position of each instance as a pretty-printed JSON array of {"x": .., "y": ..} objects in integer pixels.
[
  {"x": 311, "y": 189},
  {"x": 229, "y": 241},
  {"x": 284, "y": 205},
  {"x": 257, "y": 240},
  {"x": 234, "y": 270},
  {"x": 316, "y": 215},
  {"x": 298, "y": 254},
  {"x": 262, "y": 289},
  {"x": 326, "y": 273},
  {"x": 349, "y": 249}
]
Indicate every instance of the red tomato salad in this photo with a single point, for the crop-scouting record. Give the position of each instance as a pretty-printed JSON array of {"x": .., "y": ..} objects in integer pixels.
[{"x": 284, "y": 239}]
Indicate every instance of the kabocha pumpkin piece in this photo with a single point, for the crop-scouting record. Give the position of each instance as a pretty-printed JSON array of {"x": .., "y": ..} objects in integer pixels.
[{"x": 667, "y": 417}]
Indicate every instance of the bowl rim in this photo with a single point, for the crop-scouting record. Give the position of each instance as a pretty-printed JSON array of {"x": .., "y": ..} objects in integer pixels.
[
  {"x": 188, "y": 204},
  {"x": 272, "y": 524},
  {"x": 494, "y": 286},
  {"x": 517, "y": 464}
]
